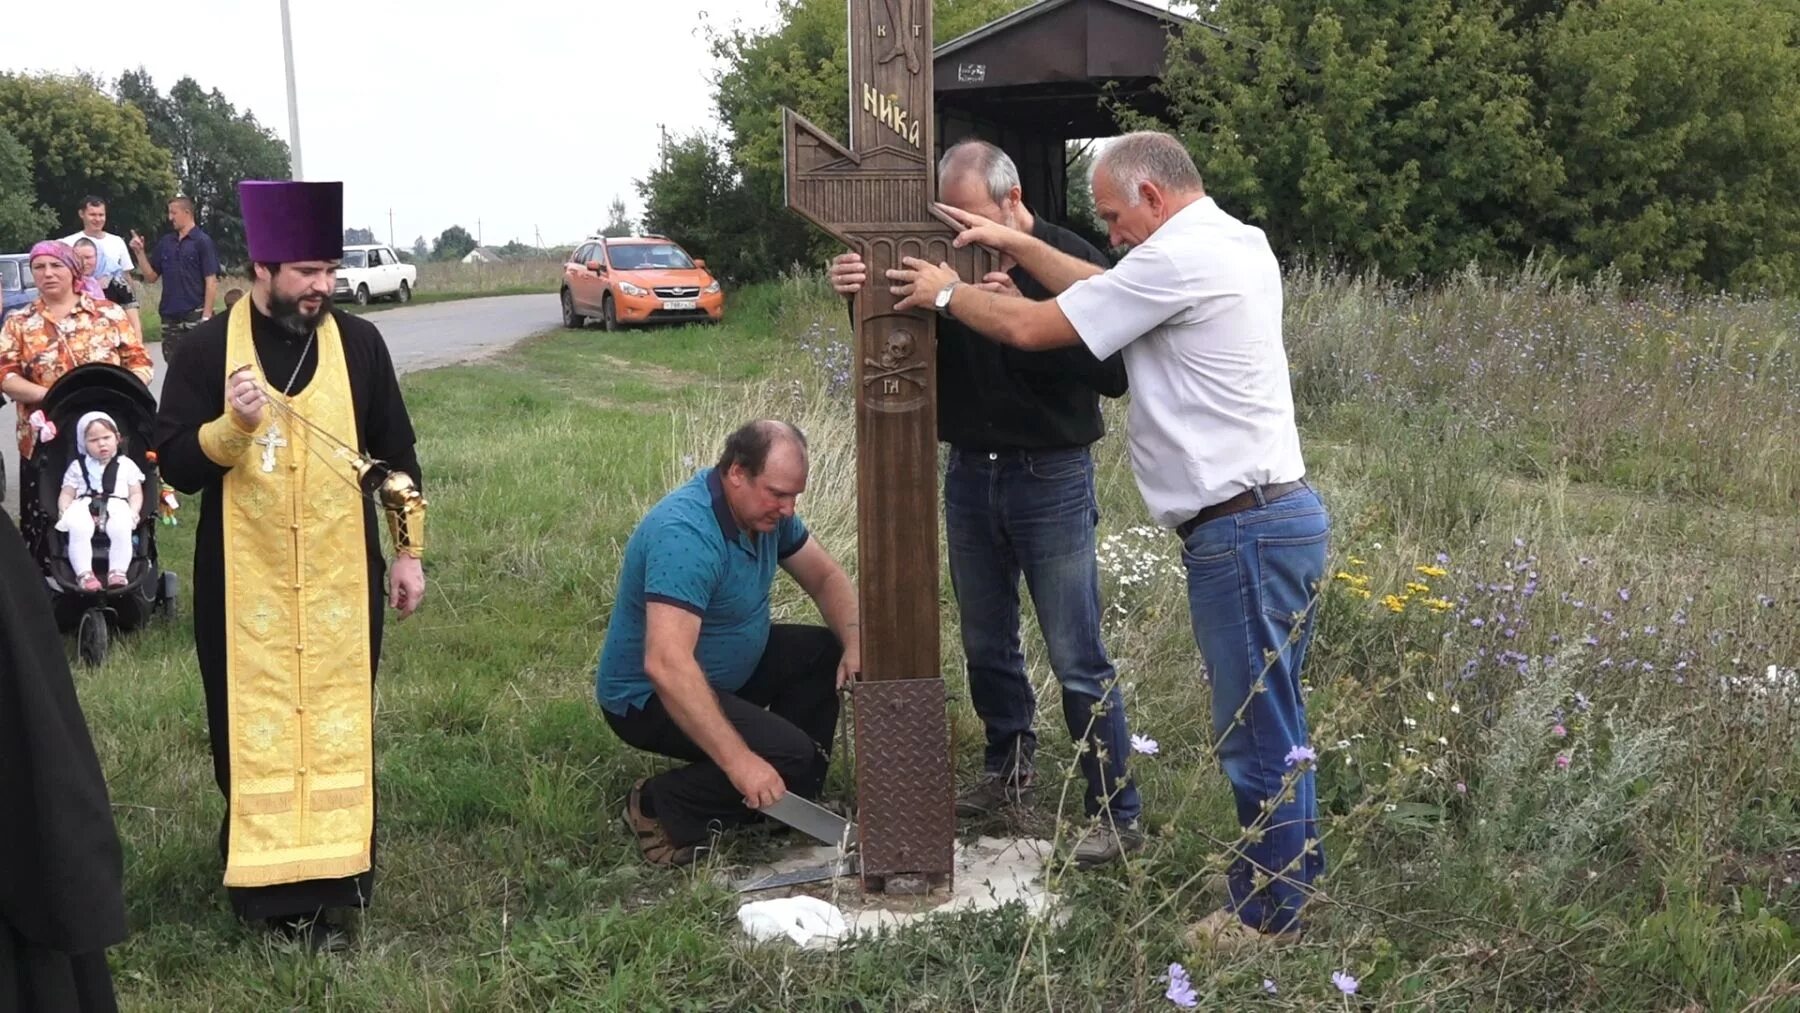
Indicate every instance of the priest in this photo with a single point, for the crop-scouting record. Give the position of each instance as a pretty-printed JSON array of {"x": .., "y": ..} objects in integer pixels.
[{"x": 286, "y": 416}]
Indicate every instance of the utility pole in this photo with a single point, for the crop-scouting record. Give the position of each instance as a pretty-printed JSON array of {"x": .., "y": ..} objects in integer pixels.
[
  {"x": 287, "y": 49},
  {"x": 391, "y": 227}
]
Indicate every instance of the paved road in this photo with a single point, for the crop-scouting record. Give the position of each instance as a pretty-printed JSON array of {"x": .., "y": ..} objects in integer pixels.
[{"x": 419, "y": 337}]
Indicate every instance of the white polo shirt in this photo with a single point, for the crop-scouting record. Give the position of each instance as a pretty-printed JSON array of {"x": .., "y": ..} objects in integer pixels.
[{"x": 1197, "y": 309}]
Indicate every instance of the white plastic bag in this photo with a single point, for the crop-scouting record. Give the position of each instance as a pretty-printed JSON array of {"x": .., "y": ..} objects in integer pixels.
[{"x": 801, "y": 919}]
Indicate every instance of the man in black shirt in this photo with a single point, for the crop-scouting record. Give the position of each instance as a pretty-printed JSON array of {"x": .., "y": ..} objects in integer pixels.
[{"x": 1019, "y": 500}]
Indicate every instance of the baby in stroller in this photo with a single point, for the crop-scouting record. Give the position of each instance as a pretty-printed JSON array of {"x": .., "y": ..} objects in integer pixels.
[{"x": 102, "y": 488}]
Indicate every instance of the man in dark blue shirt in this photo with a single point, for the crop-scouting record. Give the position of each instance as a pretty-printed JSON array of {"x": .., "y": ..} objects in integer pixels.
[
  {"x": 693, "y": 668},
  {"x": 187, "y": 264}
]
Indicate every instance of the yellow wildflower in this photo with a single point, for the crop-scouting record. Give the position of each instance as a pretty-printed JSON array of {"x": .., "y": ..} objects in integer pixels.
[
  {"x": 1394, "y": 603},
  {"x": 1438, "y": 605},
  {"x": 1414, "y": 587},
  {"x": 1356, "y": 562},
  {"x": 1432, "y": 571}
]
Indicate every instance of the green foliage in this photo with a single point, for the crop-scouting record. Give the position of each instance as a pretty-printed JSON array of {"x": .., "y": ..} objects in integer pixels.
[
  {"x": 80, "y": 142},
  {"x": 358, "y": 237},
  {"x": 1678, "y": 124},
  {"x": 801, "y": 63},
  {"x": 618, "y": 223},
  {"x": 454, "y": 243},
  {"x": 212, "y": 148},
  {"x": 1416, "y": 138},
  {"x": 1390, "y": 134},
  {"x": 23, "y": 220},
  {"x": 420, "y": 250}
]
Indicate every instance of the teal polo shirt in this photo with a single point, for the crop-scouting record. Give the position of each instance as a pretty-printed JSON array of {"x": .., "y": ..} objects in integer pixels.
[{"x": 688, "y": 552}]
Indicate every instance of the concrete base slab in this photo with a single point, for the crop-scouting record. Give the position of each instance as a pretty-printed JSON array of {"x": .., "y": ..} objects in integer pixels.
[{"x": 990, "y": 872}]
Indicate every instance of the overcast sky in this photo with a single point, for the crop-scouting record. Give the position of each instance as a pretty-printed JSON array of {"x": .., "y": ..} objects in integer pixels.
[{"x": 523, "y": 114}]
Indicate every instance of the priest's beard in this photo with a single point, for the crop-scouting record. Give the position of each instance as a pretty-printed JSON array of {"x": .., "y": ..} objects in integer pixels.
[{"x": 288, "y": 315}]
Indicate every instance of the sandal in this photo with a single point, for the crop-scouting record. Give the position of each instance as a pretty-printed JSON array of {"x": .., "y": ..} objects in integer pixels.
[
  {"x": 117, "y": 578},
  {"x": 652, "y": 839},
  {"x": 88, "y": 582}
]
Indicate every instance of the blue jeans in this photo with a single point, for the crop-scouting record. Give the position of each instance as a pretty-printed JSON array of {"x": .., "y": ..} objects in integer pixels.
[
  {"x": 1033, "y": 514},
  {"x": 1250, "y": 575}
]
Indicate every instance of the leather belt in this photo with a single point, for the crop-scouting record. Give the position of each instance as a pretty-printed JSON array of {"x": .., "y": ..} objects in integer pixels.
[{"x": 1245, "y": 500}]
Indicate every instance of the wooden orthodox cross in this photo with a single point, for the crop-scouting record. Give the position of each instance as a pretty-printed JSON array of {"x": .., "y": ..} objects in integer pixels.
[{"x": 876, "y": 197}]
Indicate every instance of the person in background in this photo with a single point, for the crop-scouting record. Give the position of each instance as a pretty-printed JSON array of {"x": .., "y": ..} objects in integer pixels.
[
  {"x": 115, "y": 256},
  {"x": 115, "y": 289},
  {"x": 187, "y": 264}
]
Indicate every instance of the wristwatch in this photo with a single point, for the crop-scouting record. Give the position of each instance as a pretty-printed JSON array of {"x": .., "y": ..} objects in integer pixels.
[{"x": 942, "y": 302}]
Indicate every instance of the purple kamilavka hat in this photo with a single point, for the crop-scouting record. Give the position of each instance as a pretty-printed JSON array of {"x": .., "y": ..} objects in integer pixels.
[{"x": 287, "y": 221}]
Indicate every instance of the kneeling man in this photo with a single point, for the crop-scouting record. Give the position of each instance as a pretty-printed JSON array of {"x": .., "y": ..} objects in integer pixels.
[{"x": 692, "y": 668}]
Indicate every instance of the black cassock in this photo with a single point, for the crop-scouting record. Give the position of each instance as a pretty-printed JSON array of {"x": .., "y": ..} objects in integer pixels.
[
  {"x": 193, "y": 395},
  {"x": 61, "y": 904}
]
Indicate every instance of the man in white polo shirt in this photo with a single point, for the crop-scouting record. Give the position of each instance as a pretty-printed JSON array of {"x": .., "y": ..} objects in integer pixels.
[{"x": 1196, "y": 308}]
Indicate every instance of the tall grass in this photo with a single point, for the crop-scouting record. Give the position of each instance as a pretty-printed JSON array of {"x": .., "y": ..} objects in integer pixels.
[{"x": 1552, "y": 690}]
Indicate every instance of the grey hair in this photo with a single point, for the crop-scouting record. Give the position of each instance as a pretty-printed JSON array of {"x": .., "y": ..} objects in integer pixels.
[
  {"x": 995, "y": 166},
  {"x": 1148, "y": 157}
]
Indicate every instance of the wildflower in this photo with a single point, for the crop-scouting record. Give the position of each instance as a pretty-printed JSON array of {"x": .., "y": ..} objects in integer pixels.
[
  {"x": 1144, "y": 744},
  {"x": 1559, "y": 731},
  {"x": 1518, "y": 543},
  {"x": 1478, "y": 622},
  {"x": 1269, "y": 985},
  {"x": 1431, "y": 571},
  {"x": 1461, "y": 788},
  {"x": 1581, "y": 702},
  {"x": 1456, "y": 708},
  {"x": 1357, "y": 562},
  {"x": 1410, "y": 723},
  {"x": 1416, "y": 587},
  {"x": 1438, "y": 606},
  {"x": 1443, "y": 742},
  {"x": 1181, "y": 990},
  {"x": 1430, "y": 697},
  {"x": 1443, "y": 559},
  {"x": 1376, "y": 546},
  {"x": 1301, "y": 754},
  {"x": 1344, "y": 982},
  {"x": 1624, "y": 594},
  {"x": 1343, "y": 743},
  {"x": 1562, "y": 761}
]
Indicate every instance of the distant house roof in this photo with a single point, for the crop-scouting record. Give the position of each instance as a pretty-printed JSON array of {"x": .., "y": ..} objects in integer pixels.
[{"x": 486, "y": 254}]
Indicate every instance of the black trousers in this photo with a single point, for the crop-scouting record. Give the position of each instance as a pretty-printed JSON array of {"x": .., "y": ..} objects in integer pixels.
[{"x": 787, "y": 714}]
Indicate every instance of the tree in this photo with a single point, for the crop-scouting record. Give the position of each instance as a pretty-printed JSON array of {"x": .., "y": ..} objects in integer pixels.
[
  {"x": 79, "y": 142},
  {"x": 801, "y": 62},
  {"x": 1681, "y": 119},
  {"x": 1394, "y": 134},
  {"x": 617, "y": 224},
  {"x": 694, "y": 197},
  {"x": 359, "y": 237},
  {"x": 23, "y": 220},
  {"x": 212, "y": 148},
  {"x": 453, "y": 244},
  {"x": 419, "y": 249}
]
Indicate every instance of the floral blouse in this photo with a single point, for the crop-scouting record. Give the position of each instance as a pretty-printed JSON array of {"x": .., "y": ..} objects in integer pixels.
[{"x": 40, "y": 350}]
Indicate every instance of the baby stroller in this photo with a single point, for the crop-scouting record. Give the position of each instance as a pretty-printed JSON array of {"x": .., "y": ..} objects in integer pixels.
[{"x": 149, "y": 589}]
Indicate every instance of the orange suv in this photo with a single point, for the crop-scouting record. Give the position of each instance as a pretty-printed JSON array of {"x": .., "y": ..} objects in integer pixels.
[{"x": 638, "y": 280}]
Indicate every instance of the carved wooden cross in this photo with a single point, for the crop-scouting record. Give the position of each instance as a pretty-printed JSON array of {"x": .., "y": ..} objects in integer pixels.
[{"x": 876, "y": 197}]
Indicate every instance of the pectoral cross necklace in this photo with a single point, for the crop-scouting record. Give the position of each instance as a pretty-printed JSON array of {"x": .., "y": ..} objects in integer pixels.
[{"x": 272, "y": 440}]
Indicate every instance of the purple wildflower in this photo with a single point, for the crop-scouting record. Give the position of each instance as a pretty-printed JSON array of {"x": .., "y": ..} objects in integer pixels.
[
  {"x": 1344, "y": 982},
  {"x": 1301, "y": 754},
  {"x": 1181, "y": 990},
  {"x": 1144, "y": 744},
  {"x": 1562, "y": 761},
  {"x": 1269, "y": 986},
  {"x": 1624, "y": 594},
  {"x": 1559, "y": 731}
]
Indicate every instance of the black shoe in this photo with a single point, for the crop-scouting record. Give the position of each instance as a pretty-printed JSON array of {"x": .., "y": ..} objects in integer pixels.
[
  {"x": 317, "y": 933},
  {"x": 995, "y": 793}
]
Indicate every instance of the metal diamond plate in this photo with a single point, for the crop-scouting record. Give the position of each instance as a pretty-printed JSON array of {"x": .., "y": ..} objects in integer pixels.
[{"x": 906, "y": 806}]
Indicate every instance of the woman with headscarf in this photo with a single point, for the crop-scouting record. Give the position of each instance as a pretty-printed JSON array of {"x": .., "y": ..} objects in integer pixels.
[
  {"x": 114, "y": 288},
  {"x": 61, "y": 902},
  {"x": 62, "y": 329}
]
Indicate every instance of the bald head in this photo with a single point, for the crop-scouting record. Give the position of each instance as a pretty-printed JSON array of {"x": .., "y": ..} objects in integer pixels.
[{"x": 750, "y": 445}]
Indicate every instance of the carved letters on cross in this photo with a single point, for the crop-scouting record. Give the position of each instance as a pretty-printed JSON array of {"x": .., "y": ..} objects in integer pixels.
[{"x": 875, "y": 196}]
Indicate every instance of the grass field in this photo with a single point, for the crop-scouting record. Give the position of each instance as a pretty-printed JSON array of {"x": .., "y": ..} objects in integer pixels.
[{"x": 1552, "y": 691}]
